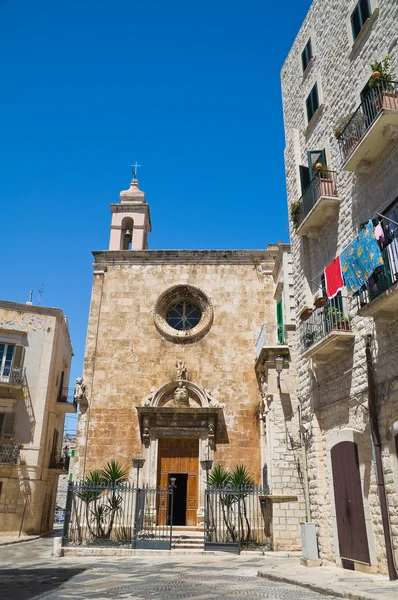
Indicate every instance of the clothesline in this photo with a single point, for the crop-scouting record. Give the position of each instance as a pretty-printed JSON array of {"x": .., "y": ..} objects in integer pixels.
[{"x": 323, "y": 270}]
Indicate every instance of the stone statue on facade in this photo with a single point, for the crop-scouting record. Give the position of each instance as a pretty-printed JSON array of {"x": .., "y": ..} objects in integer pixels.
[
  {"x": 263, "y": 387},
  {"x": 181, "y": 370},
  {"x": 147, "y": 401},
  {"x": 80, "y": 395},
  {"x": 180, "y": 396},
  {"x": 213, "y": 403}
]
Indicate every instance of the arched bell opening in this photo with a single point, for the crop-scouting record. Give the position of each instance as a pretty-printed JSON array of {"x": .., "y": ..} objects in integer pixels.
[{"x": 126, "y": 241}]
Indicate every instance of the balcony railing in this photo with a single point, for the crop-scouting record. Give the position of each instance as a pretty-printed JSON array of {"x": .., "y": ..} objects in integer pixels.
[
  {"x": 270, "y": 335},
  {"x": 66, "y": 395},
  {"x": 383, "y": 278},
  {"x": 9, "y": 453},
  {"x": 322, "y": 184},
  {"x": 383, "y": 96},
  {"x": 331, "y": 317},
  {"x": 59, "y": 461},
  {"x": 12, "y": 375}
]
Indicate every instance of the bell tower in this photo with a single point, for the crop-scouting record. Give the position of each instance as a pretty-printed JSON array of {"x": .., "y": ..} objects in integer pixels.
[{"x": 131, "y": 220}]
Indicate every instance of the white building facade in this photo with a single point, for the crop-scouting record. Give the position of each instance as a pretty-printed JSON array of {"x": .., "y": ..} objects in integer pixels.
[{"x": 342, "y": 173}]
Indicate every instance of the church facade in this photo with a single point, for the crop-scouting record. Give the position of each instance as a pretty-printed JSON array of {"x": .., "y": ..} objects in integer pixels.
[{"x": 170, "y": 361}]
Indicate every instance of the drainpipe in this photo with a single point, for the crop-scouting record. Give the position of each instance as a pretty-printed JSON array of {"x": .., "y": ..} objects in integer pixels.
[
  {"x": 375, "y": 437},
  {"x": 305, "y": 470}
]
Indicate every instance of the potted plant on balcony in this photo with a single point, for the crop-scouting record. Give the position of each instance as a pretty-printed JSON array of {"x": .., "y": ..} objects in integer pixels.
[
  {"x": 381, "y": 80},
  {"x": 319, "y": 300},
  {"x": 309, "y": 338},
  {"x": 305, "y": 313},
  {"x": 335, "y": 319},
  {"x": 295, "y": 213},
  {"x": 341, "y": 124}
]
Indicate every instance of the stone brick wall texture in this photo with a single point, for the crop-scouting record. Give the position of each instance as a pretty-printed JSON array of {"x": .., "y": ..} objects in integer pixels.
[{"x": 335, "y": 395}]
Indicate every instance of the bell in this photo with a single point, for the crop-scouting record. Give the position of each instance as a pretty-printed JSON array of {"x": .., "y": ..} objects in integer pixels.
[{"x": 128, "y": 233}]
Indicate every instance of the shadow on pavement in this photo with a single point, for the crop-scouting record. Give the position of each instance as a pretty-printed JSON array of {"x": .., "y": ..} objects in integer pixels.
[{"x": 27, "y": 583}]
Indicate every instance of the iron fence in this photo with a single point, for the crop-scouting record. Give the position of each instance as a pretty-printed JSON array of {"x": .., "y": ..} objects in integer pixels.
[
  {"x": 9, "y": 453},
  {"x": 12, "y": 375},
  {"x": 59, "y": 461},
  {"x": 121, "y": 515},
  {"x": 322, "y": 184},
  {"x": 383, "y": 96},
  {"x": 236, "y": 518},
  {"x": 332, "y": 316}
]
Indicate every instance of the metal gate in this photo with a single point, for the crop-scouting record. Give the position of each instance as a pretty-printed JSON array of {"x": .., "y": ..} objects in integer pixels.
[
  {"x": 235, "y": 518},
  {"x": 120, "y": 515}
]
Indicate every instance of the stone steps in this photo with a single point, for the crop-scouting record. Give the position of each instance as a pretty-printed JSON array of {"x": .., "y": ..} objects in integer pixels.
[{"x": 187, "y": 538}]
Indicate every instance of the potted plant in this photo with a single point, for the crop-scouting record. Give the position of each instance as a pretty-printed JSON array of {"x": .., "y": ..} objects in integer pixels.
[
  {"x": 308, "y": 339},
  {"x": 295, "y": 209},
  {"x": 305, "y": 313},
  {"x": 381, "y": 80},
  {"x": 319, "y": 300},
  {"x": 341, "y": 124}
]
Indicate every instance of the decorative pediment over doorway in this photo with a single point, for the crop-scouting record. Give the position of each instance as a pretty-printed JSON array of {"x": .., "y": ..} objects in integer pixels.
[{"x": 179, "y": 408}]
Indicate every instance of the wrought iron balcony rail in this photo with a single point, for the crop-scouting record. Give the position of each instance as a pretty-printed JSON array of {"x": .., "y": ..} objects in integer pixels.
[
  {"x": 384, "y": 95},
  {"x": 322, "y": 184},
  {"x": 67, "y": 394},
  {"x": 59, "y": 461},
  {"x": 332, "y": 316},
  {"x": 270, "y": 335},
  {"x": 383, "y": 277},
  {"x": 9, "y": 453},
  {"x": 12, "y": 375}
]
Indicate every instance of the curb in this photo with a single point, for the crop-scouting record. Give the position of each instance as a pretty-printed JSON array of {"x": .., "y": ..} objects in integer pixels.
[
  {"x": 12, "y": 542},
  {"x": 314, "y": 587}
]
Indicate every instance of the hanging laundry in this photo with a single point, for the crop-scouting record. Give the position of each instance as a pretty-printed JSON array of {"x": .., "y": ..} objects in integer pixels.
[
  {"x": 360, "y": 258},
  {"x": 333, "y": 278},
  {"x": 379, "y": 233}
]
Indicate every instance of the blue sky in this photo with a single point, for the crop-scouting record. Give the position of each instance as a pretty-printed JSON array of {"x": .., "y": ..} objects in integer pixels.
[{"x": 189, "y": 90}]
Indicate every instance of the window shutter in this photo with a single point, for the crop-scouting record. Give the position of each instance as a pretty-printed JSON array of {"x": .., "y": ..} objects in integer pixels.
[
  {"x": 18, "y": 356},
  {"x": 8, "y": 427},
  {"x": 365, "y": 11},
  {"x": 279, "y": 320},
  {"x": 304, "y": 178}
]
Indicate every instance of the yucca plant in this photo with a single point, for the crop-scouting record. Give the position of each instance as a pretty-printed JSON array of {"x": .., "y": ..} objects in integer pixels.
[
  {"x": 220, "y": 477},
  {"x": 242, "y": 478},
  {"x": 90, "y": 493},
  {"x": 113, "y": 474}
]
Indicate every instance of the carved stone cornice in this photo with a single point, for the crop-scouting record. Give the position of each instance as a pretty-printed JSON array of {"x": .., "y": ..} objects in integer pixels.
[{"x": 209, "y": 257}]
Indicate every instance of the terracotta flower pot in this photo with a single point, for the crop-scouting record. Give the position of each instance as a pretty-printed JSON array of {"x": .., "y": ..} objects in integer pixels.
[
  {"x": 319, "y": 302},
  {"x": 376, "y": 75},
  {"x": 306, "y": 313}
]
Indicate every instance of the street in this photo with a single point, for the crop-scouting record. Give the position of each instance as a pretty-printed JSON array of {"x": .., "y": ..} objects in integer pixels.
[{"x": 28, "y": 571}]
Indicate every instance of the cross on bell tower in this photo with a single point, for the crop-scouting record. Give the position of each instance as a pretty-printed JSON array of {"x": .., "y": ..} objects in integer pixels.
[{"x": 131, "y": 220}]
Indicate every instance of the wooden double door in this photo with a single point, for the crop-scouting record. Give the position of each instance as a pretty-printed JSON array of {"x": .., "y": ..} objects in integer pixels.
[{"x": 179, "y": 458}]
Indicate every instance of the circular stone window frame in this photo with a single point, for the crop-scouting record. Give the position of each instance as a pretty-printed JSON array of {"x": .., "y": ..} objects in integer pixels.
[{"x": 173, "y": 295}]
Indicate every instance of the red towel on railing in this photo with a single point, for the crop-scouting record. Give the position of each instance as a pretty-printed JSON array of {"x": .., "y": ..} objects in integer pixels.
[{"x": 333, "y": 278}]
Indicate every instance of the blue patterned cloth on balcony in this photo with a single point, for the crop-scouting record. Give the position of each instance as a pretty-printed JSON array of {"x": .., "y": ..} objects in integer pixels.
[{"x": 360, "y": 258}]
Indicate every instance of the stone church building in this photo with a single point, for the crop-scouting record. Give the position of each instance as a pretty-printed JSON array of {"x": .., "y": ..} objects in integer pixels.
[{"x": 172, "y": 371}]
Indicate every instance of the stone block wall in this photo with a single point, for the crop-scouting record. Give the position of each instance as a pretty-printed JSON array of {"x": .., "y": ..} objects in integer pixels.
[{"x": 334, "y": 395}]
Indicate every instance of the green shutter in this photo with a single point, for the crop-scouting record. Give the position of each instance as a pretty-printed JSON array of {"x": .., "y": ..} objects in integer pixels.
[{"x": 279, "y": 320}]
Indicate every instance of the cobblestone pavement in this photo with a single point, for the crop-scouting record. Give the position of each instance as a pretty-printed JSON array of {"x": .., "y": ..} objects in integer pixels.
[{"x": 27, "y": 571}]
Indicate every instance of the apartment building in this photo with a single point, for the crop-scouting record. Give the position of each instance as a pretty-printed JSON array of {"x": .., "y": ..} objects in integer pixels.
[
  {"x": 340, "y": 103},
  {"x": 35, "y": 359}
]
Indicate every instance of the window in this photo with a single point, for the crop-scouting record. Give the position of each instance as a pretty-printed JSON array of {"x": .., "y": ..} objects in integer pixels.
[
  {"x": 306, "y": 55},
  {"x": 11, "y": 359},
  {"x": 183, "y": 315},
  {"x": 360, "y": 15},
  {"x": 312, "y": 102}
]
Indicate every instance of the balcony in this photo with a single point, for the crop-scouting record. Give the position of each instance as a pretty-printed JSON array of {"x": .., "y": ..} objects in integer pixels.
[
  {"x": 270, "y": 344},
  {"x": 9, "y": 453},
  {"x": 379, "y": 298},
  {"x": 371, "y": 128},
  {"x": 319, "y": 204},
  {"x": 59, "y": 462},
  {"x": 327, "y": 331},
  {"x": 12, "y": 376},
  {"x": 66, "y": 402}
]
